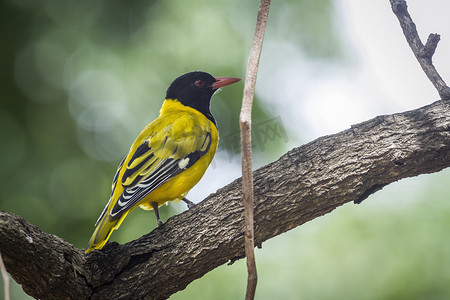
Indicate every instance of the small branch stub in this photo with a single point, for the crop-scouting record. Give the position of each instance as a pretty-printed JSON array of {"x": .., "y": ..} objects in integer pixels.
[{"x": 430, "y": 46}]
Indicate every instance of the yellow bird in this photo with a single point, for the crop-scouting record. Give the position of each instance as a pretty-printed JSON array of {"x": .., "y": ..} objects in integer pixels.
[{"x": 168, "y": 157}]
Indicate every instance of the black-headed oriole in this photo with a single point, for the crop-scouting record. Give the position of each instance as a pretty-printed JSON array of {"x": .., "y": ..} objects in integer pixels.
[{"x": 168, "y": 157}]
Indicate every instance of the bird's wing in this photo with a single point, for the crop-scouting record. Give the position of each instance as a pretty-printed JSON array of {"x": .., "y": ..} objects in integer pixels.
[{"x": 174, "y": 147}]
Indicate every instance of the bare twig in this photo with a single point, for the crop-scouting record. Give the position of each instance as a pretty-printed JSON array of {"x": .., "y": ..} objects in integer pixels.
[
  {"x": 423, "y": 53},
  {"x": 5, "y": 278},
  {"x": 246, "y": 144}
]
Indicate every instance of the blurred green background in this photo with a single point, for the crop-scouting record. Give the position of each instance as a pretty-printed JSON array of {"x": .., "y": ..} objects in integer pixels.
[{"x": 80, "y": 79}]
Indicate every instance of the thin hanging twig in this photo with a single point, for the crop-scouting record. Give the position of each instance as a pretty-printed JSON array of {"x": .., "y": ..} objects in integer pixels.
[
  {"x": 6, "y": 279},
  {"x": 246, "y": 145}
]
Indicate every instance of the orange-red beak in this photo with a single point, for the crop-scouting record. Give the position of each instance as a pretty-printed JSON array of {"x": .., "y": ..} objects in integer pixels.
[{"x": 224, "y": 81}]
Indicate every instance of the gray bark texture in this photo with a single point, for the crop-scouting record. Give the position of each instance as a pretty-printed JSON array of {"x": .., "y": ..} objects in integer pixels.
[{"x": 305, "y": 183}]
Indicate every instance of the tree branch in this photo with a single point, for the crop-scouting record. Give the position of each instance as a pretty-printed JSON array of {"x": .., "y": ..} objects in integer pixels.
[
  {"x": 305, "y": 183},
  {"x": 245, "y": 121},
  {"x": 424, "y": 54}
]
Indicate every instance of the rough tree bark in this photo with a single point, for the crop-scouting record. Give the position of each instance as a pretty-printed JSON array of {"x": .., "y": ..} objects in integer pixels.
[{"x": 307, "y": 182}]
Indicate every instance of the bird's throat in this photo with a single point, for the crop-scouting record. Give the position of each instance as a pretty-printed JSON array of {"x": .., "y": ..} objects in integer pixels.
[{"x": 174, "y": 104}]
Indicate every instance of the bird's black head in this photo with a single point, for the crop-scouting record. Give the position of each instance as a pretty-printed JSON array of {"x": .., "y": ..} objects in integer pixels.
[{"x": 195, "y": 90}]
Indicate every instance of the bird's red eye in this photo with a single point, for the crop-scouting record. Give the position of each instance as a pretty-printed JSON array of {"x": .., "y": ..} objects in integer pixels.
[{"x": 199, "y": 83}]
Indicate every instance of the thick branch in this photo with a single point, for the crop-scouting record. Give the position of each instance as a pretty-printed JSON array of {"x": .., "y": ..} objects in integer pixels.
[
  {"x": 305, "y": 183},
  {"x": 424, "y": 54}
]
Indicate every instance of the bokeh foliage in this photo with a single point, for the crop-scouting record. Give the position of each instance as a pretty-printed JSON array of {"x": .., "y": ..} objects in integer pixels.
[{"x": 80, "y": 79}]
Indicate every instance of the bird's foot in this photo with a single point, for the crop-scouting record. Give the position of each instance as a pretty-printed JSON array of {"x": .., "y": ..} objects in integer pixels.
[
  {"x": 189, "y": 203},
  {"x": 155, "y": 208}
]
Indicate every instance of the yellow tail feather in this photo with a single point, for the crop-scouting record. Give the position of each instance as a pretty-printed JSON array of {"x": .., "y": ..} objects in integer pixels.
[{"x": 103, "y": 232}]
